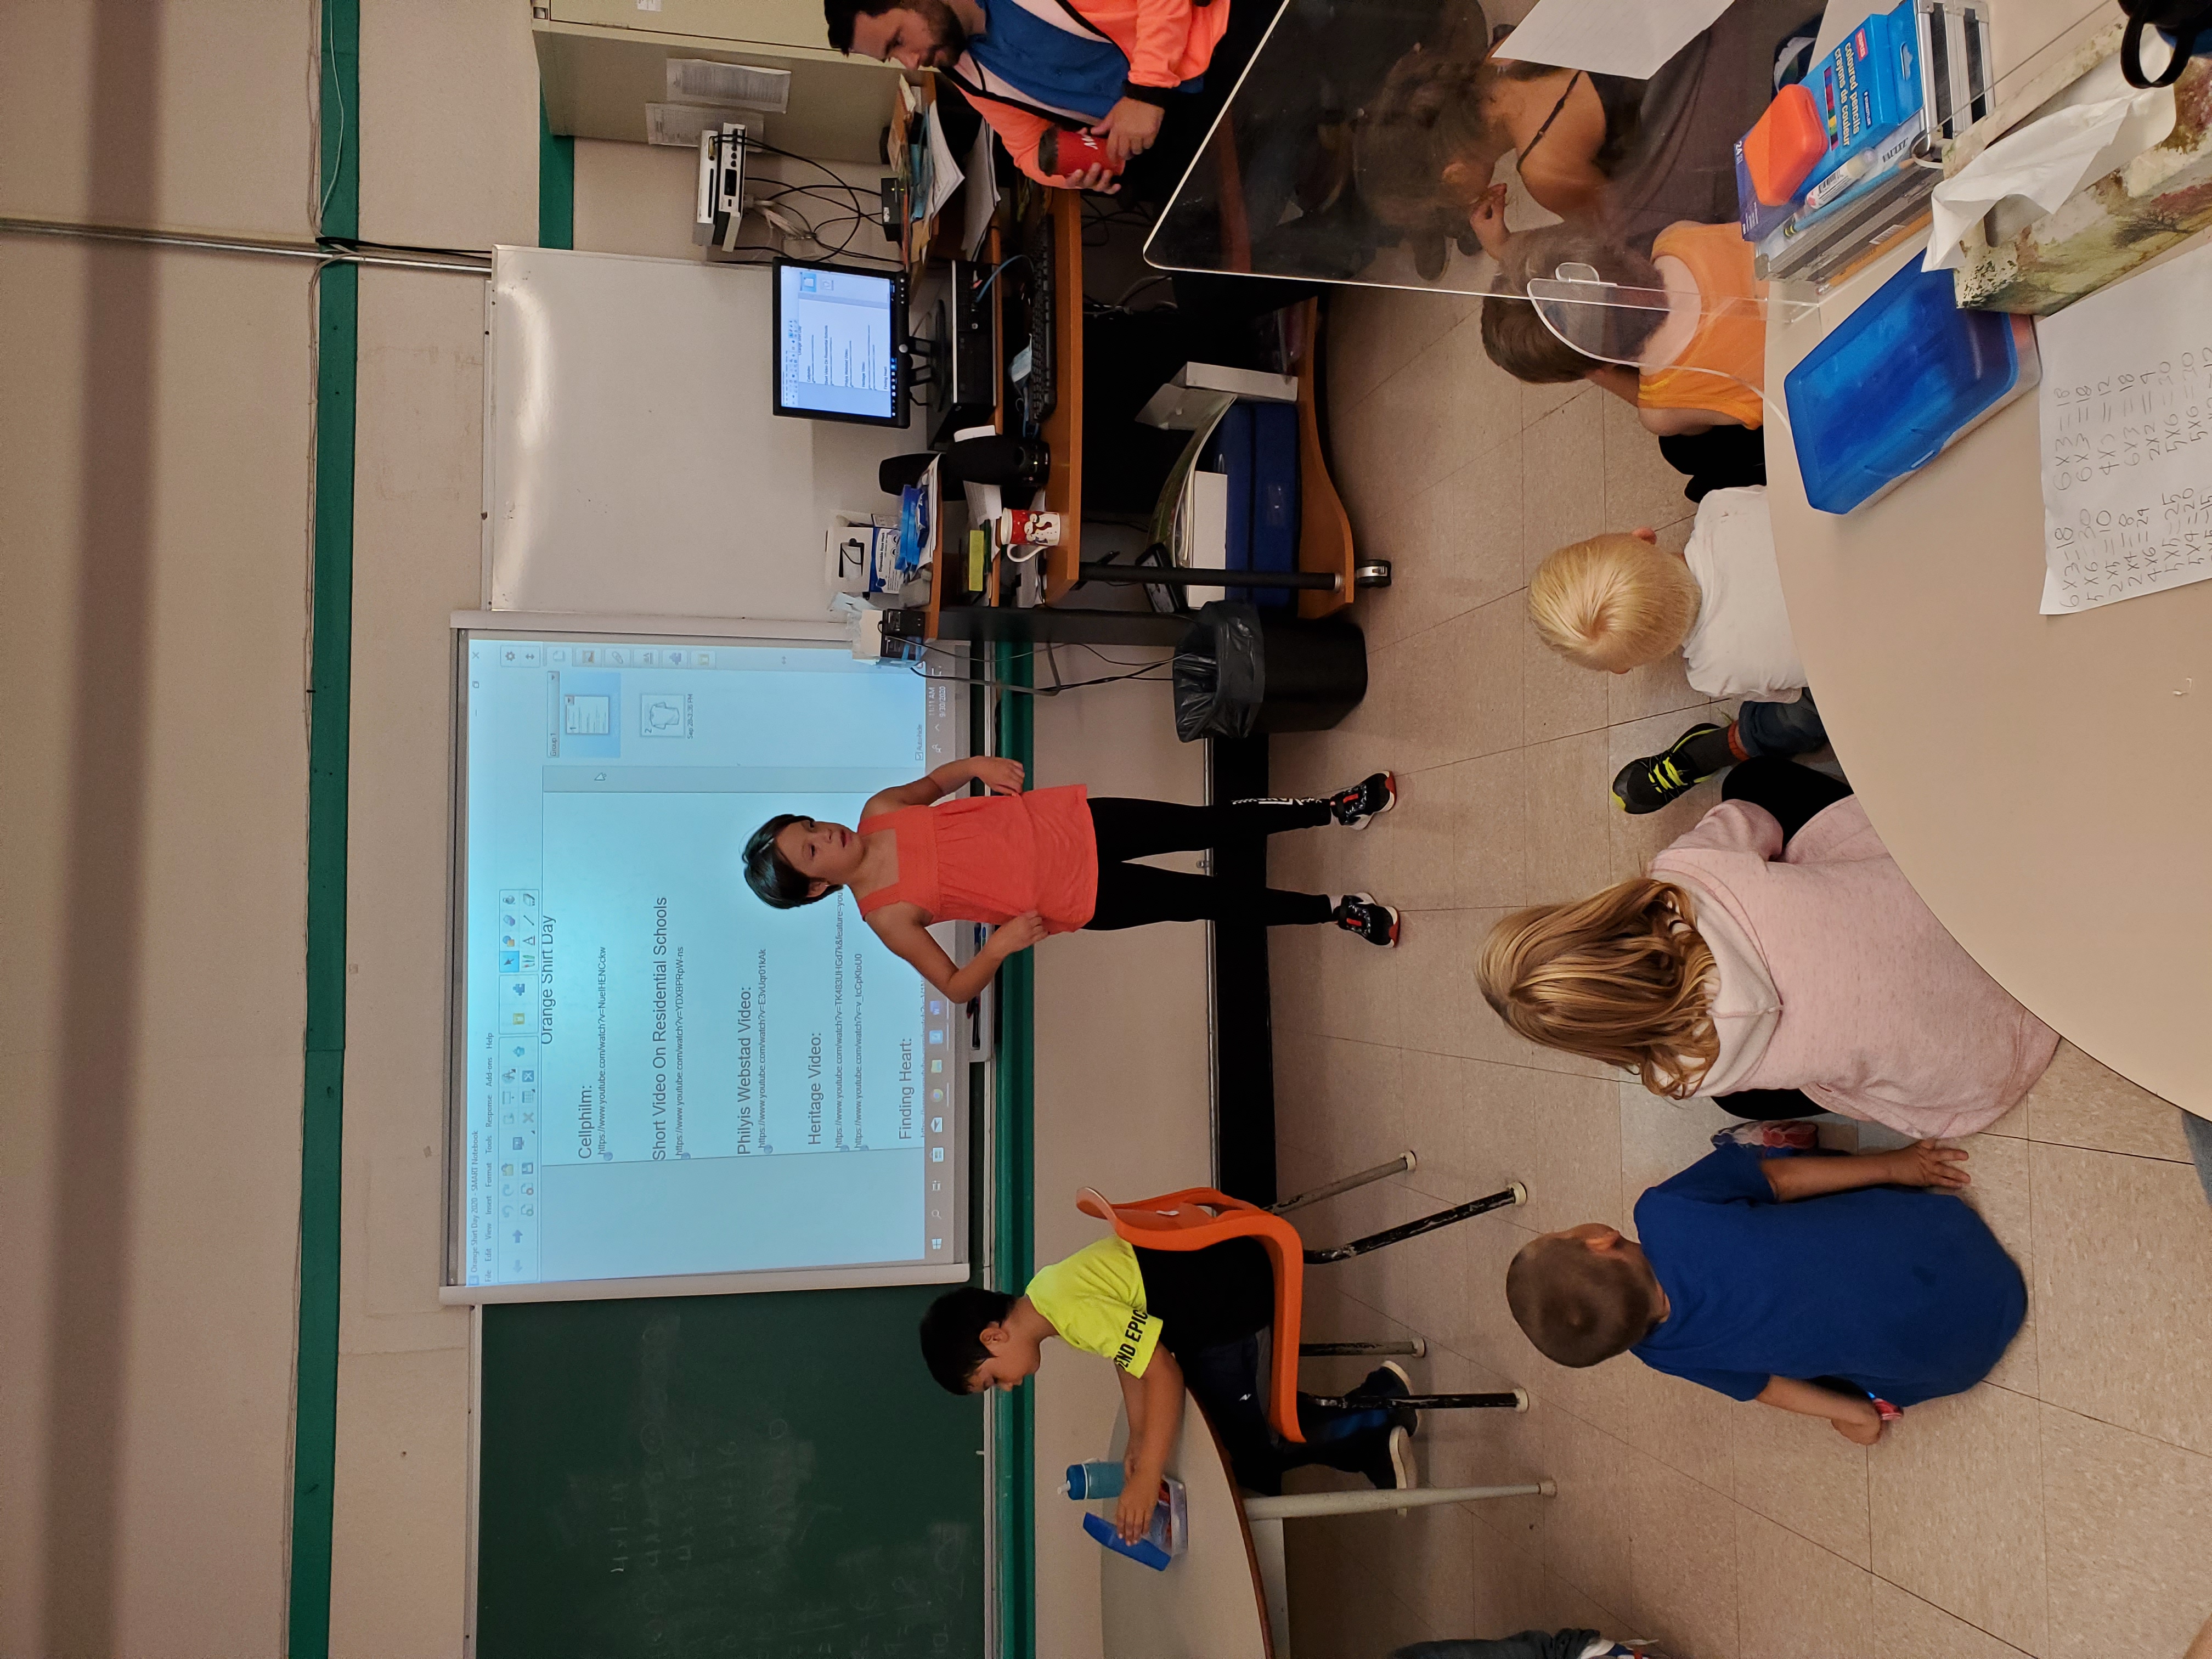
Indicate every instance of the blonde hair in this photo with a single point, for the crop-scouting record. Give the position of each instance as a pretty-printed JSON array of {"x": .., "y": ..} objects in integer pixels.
[
  {"x": 1613, "y": 602},
  {"x": 1618, "y": 977}
]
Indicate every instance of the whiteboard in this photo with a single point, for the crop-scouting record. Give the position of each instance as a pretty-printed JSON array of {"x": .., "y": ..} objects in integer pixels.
[{"x": 632, "y": 462}]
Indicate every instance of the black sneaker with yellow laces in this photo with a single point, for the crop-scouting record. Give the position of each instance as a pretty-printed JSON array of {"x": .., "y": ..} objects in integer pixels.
[{"x": 1646, "y": 785}]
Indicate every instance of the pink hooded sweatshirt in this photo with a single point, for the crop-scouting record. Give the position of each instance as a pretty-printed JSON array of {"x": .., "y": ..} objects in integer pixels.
[{"x": 1836, "y": 978}]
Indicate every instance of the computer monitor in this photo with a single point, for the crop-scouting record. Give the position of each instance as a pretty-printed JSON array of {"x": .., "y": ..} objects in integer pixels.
[{"x": 841, "y": 344}]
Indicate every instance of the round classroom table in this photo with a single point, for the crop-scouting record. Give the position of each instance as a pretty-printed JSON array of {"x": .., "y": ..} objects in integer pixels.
[
  {"x": 1210, "y": 1602},
  {"x": 2045, "y": 782}
]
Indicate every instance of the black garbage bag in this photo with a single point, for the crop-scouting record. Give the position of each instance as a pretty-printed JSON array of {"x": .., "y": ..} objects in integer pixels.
[
  {"x": 1220, "y": 673},
  {"x": 1241, "y": 669}
]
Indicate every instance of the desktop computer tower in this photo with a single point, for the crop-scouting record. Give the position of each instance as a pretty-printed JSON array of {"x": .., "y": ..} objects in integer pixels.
[{"x": 962, "y": 391}]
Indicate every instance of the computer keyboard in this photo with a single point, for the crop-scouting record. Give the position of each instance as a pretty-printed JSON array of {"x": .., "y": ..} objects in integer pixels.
[{"x": 1037, "y": 389}]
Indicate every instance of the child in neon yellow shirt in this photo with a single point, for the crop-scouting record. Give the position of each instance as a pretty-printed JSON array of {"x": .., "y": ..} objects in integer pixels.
[{"x": 1167, "y": 1320}]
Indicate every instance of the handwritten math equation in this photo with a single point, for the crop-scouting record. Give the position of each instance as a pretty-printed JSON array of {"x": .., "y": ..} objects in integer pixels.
[{"x": 2127, "y": 480}]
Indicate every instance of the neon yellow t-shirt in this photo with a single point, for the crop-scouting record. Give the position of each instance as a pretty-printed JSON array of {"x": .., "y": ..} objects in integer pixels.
[{"x": 1095, "y": 1300}]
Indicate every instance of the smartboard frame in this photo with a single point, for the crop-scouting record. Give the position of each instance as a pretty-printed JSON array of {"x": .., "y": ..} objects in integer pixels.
[{"x": 947, "y": 736}]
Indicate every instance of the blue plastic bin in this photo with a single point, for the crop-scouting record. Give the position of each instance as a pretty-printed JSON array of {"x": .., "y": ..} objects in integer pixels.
[{"x": 1901, "y": 377}]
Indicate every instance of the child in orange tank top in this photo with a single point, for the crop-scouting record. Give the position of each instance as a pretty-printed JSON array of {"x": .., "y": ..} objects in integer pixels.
[
  {"x": 1700, "y": 364},
  {"x": 1044, "y": 861}
]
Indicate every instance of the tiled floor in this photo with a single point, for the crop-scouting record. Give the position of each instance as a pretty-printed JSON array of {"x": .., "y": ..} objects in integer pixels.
[{"x": 2063, "y": 1509}]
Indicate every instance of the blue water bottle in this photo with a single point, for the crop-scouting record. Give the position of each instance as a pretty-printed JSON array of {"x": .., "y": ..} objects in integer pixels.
[{"x": 1101, "y": 1478}]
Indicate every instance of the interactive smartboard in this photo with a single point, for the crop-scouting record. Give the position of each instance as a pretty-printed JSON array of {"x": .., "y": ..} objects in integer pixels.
[{"x": 659, "y": 1084}]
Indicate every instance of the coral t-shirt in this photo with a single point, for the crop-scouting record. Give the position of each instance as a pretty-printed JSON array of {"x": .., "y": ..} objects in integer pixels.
[{"x": 992, "y": 858}]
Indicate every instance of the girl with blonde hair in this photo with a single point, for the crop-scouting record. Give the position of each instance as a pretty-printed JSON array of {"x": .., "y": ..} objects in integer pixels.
[{"x": 1774, "y": 958}]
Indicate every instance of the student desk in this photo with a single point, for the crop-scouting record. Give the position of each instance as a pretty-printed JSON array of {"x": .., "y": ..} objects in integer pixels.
[
  {"x": 1211, "y": 1604},
  {"x": 2045, "y": 782},
  {"x": 1226, "y": 1596}
]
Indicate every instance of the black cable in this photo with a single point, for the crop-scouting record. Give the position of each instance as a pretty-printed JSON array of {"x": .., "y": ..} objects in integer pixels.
[
  {"x": 1144, "y": 673},
  {"x": 842, "y": 183},
  {"x": 860, "y": 215},
  {"x": 357, "y": 245}
]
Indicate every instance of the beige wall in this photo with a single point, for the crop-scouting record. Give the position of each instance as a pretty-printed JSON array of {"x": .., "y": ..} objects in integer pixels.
[
  {"x": 154, "y": 563},
  {"x": 153, "y": 505},
  {"x": 154, "y": 491},
  {"x": 448, "y": 135},
  {"x": 400, "y": 1546}
]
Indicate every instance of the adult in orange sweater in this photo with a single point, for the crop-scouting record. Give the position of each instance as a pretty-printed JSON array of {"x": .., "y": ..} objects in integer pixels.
[{"x": 1107, "y": 67}]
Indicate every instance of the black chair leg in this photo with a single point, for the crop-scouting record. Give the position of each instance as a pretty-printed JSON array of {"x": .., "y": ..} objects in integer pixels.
[
  {"x": 1517, "y": 1194},
  {"x": 1516, "y": 1400},
  {"x": 1416, "y": 1347}
]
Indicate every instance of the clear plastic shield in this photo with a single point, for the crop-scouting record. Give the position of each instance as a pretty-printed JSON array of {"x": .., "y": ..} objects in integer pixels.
[
  {"x": 1617, "y": 323},
  {"x": 1369, "y": 140}
]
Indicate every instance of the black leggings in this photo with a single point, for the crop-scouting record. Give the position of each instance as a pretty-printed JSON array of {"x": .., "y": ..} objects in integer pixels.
[
  {"x": 1794, "y": 794},
  {"x": 1132, "y": 894}
]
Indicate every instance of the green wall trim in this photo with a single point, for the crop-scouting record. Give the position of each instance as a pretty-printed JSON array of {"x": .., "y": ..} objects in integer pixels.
[
  {"x": 315, "y": 1384},
  {"x": 1014, "y": 1195},
  {"x": 556, "y": 186}
]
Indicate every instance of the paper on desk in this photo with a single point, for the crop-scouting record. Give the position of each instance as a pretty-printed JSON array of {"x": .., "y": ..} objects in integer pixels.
[
  {"x": 943, "y": 171},
  {"x": 982, "y": 194},
  {"x": 2046, "y": 161},
  {"x": 1610, "y": 37},
  {"x": 2125, "y": 407}
]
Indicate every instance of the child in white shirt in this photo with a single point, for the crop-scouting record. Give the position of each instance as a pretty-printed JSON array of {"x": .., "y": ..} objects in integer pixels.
[{"x": 1616, "y": 602}]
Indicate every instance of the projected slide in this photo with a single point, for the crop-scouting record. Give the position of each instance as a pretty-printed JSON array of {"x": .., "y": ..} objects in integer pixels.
[
  {"x": 836, "y": 345},
  {"x": 661, "y": 1073}
]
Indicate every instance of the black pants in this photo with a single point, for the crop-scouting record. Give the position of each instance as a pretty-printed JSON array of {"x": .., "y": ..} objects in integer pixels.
[
  {"x": 1225, "y": 1381},
  {"x": 1794, "y": 794},
  {"x": 1529, "y": 1644},
  {"x": 1132, "y": 894},
  {"x": 1719, "y": 457}
]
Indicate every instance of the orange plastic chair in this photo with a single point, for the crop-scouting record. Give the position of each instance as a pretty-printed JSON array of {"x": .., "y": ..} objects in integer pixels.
[{"x": 1198, "y": 1217}]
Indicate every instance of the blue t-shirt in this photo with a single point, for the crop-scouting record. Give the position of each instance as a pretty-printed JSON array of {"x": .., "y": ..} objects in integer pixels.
[
  {"x": 1905, "y": 1293},
  {"x": 1049, "y": 65}
]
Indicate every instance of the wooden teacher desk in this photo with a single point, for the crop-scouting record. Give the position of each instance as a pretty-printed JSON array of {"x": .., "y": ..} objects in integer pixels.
[
  {"x": 1325, "y": 543},
  {"x": 2045, "y": 782}
]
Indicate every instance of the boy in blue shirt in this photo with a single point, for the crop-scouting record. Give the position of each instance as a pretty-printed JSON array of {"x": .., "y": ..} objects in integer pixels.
[{"x": 1816, "y": 1283}]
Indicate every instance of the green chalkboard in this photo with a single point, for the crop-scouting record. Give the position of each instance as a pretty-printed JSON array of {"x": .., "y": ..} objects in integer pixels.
[{"x": 760, "y": 1477}]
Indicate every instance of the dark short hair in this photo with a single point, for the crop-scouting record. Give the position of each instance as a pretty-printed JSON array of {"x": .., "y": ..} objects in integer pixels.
[
  {"x": 952, "y": 1334},
  {"x": 1578, "y": 1306},
  {"x": 839, "y": 15},
  {"x": 1513, "y": 334},
  {"x": 770, "y": 874}
]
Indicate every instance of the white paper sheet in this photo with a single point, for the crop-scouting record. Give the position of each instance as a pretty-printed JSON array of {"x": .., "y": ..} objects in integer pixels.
[
  {"x": 1610, "y": 37},
  {"x": 982, "y": 194},
  {"x": 2126, "y": 412},
  {"x": 943, "y": 171}
]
